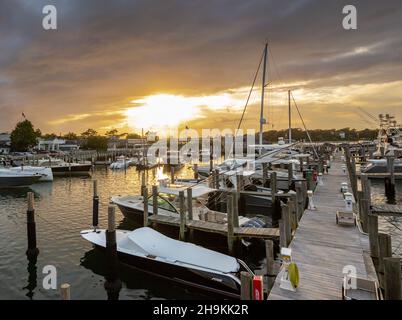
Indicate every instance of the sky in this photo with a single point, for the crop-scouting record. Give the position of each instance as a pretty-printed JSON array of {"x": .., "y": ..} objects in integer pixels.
[{"x": 158, "y": 64}]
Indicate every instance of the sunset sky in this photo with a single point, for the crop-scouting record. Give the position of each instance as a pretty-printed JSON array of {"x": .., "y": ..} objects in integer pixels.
[{"x": 154, "y": 64}]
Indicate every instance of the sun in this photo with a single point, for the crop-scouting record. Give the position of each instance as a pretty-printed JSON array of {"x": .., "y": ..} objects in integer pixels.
[{"x": 161, "y": 111}]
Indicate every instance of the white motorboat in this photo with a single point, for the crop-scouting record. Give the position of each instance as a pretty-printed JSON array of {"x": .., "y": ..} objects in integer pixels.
[
  {"x": 122, "y": 163},
  {"x": 132, "y": 206},
  {"x": 45, "y": 172},
  {"x": 227, "y": 165},
  {"x": 62, "y": 168},
  {"x": 10, "y": 178},
  {"x": 179, "y": 261}
]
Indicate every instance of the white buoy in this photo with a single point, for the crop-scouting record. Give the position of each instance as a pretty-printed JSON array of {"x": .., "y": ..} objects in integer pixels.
[
  {"x": 286, "y": 254},
  {"x": 320, "y": 182},
  {"x": 348, "y": 202},
  {"x": 311, "y": 205},
  {"x": 344, "y": 187}
]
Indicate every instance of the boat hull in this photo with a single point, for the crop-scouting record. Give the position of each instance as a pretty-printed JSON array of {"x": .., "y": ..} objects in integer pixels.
[
  {"x": 219, "y": 284},
  {"x": 16, "y": 181},
  {"x": 74, "y": 170},
  {"x": 134, "y": 215}
]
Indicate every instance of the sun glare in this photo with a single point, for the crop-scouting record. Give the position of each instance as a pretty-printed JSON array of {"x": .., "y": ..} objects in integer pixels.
[{"x": 165, "y": 111}]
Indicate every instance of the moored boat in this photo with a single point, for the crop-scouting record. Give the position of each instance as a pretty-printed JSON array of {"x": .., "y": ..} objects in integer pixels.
[
  {"x": 182, "y": 262},
  {"x": 10, "y": 179}
]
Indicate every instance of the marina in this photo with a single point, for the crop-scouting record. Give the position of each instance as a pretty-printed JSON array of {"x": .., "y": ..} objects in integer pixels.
[{"x": 200, "y": 151}]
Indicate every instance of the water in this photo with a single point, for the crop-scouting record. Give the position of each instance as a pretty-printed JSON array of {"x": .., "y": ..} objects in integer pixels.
[
  {"x": 63, "y": 208},
  {"x": 390, "y": 225}
]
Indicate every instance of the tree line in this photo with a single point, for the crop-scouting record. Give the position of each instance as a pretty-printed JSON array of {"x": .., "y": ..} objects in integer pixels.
[
  {"x": 318, "y": 135},
  {"x": 25, "y": 137}
]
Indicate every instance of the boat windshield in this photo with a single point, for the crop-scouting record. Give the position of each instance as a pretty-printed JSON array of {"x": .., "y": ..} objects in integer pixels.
[{"x": 162, "y": 204}]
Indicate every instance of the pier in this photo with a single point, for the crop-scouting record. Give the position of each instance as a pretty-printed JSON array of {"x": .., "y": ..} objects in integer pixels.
[
  {"x": 321, "y": 248},
  {"x": 212, "y": 227}
]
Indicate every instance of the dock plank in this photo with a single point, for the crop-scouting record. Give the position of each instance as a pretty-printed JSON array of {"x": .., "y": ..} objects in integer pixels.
[{"x": 321, "y": 248}]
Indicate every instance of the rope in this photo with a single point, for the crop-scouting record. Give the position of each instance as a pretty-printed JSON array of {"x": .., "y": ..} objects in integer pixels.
[
  {"x": 249, "y": 94},
  {"x": 304, "y": 125}
]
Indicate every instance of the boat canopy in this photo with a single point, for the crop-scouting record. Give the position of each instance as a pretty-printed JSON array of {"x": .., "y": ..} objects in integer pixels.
[
  {"x": 197, "y": 190},
  {"x": 157, "y": 244}
]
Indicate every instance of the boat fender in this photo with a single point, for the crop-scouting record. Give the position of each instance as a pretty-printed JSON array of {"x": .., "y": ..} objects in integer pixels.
[{"x": 293, "y": 272}]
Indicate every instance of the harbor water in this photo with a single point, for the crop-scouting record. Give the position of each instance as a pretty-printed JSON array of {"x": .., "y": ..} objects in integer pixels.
[{"x": 62, "y": 209}]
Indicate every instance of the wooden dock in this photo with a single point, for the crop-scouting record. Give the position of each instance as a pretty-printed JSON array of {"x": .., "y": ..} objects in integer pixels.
[
  {"x": 387, "y": 210},
  {"x": 321, "y": 248},
  {"x": 212, "y": 227}
]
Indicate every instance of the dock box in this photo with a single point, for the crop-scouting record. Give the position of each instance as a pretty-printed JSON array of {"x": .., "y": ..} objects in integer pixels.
[
  {"x": 346, "y": 218},
  {"x": 354, "y": 288}
]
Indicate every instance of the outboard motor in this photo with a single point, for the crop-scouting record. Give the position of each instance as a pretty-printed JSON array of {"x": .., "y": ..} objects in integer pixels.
[{"x": 254, "y": 222}]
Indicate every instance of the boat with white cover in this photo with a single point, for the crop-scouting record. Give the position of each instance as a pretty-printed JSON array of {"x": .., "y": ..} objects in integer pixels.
[{"x": 182, "y": 262}]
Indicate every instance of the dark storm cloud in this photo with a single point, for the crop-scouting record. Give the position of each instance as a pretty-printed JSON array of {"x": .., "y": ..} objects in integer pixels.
[{"x": 106, "y": 52}]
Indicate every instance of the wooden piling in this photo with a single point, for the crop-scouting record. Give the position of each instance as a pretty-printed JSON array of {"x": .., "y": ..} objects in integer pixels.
[
  {"x": 154, "y": 199},
  {"x": 282, "y": 234},
  {"x": 190, "y": 203},
  {"x": 385, "y": 251},
  {"x": 269, "y": 250},
  {"x": 365, "y": 201},
  {"x": 293, "y": 211},
  {"x": 65, "y": 291},
  {"x": 290, "y": 175},
  {"x": 373, "y": 237},
  {"x": 351, "y": 170},
  {"x": 273, "y": 185},
  {"x": 392, "y": 277},
  {"x": 239, "y": 181},
  {"x": 299, "y": 200},
  {"x": 32, "y": 251},
  {"x": 190, "y": 211},
  {"x": 230, "y": 234},
  {"x": 390, "y": 181},
  {"x": 264, "y": 174},
  {"x": 236, "y": 196},
  {"x": 142, "y": 180},
  {"x": 145, "y": 197},
  {"x": 287, "y": 229},
  {"x": 112, "y": 283},
  {"x": 95, "y": 205},
  {"x": 172, "y": 174},
  {"x": 196, "y": 171},
  {"x": 182, "y": 231},
  {"x": 246, "y": 285},
  {"x": 216, "y": 178}
]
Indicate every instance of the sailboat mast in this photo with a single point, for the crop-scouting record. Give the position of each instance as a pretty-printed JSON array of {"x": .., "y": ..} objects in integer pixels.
[
  {"x": 290, "y": 119},
  {"x": 262, "y": 120}
]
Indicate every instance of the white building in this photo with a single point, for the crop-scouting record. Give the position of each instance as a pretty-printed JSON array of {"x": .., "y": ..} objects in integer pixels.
[
  {"x": 5, "y": 143},
  {"x": 56, "y": 145}
]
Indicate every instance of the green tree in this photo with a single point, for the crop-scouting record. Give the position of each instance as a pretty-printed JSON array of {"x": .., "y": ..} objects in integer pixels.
[
  {"x": 49, "y": 136},
  {"x": 133, "y": 136},
  {"x": 70, "y": 136},
  {"x": 97, "y": 143},
  {"x": 89, "y": 133},
  {"x": 24, "y": 136},
  {"x": 111, "y": 133}
]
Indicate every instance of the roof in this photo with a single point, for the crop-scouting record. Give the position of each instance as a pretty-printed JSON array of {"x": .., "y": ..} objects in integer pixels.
[{"x": 197, "y": 190}]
